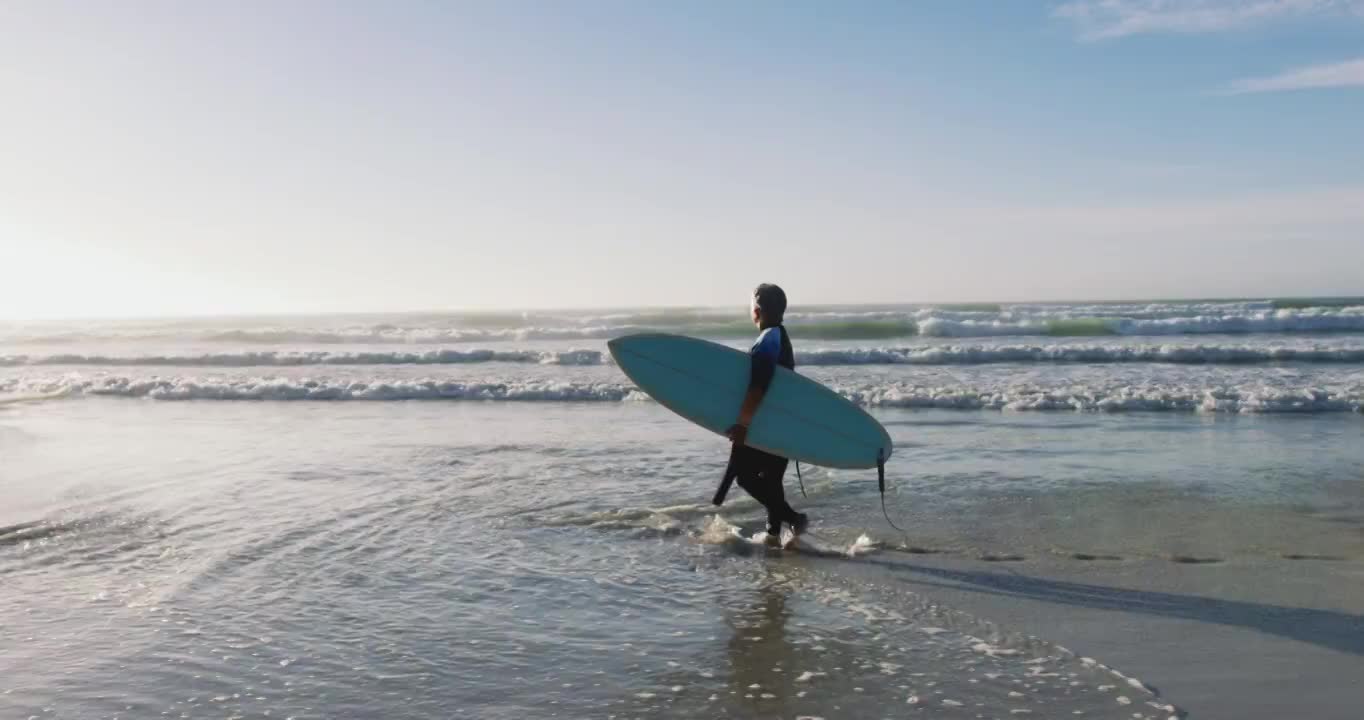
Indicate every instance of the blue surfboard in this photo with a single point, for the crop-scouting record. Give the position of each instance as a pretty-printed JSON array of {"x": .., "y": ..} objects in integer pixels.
[{"x": 705, "y": 382}]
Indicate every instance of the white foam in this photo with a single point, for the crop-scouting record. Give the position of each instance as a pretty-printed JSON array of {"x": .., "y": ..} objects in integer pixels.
[
  {"x": 274, "y": 388},
  {"x": 1122, "y": 398},
  {"x": 1152, "y": 397},
  {"x": 273, "y": 358},
  {"x": 940, "y": 327},
  {"x": 1170, "y": 318},
  {"x": 382, "y": 334},
  {"x": 719, "y": 531},
  {"x": 1088, "y": 353},
  {"x": 862, "y": 546},
  {"x": 956, "y": 354},
  {"x": 1349, "y": 319},
  {"x": 993, "y": 650},
  {"x": 1199, "y": 319}
]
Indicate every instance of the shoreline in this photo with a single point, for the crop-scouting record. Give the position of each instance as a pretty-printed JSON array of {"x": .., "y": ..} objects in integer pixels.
[{"x": 1244, "y": 640}]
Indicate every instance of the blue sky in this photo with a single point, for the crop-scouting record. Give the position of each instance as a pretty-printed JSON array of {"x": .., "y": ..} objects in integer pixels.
[{"x": 176, "y": 158}]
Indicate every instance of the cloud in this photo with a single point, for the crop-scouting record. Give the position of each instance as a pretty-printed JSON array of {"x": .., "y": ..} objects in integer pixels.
[
  {"x": 1333, "y": 75},
  {"x": 1105, "y": 19}
]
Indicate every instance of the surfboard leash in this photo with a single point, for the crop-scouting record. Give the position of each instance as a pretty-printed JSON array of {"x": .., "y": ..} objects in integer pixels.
[
  {"x": 881, "y": 485},
  {"x": 801, "y": 481}
]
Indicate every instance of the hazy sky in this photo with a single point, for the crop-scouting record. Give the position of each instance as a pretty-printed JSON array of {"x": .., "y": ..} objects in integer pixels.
[{"x": 241, "y": 157}]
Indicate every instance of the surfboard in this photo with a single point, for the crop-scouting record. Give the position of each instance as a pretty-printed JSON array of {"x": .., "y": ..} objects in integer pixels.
[{"x": 705, "y": 382}]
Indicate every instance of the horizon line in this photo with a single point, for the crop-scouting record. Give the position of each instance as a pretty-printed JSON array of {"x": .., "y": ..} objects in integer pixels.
[{"x": 678, "y": 307}]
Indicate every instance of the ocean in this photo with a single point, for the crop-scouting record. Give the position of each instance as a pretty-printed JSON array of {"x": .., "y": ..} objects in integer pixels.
[{"x": 476, "y": 515}]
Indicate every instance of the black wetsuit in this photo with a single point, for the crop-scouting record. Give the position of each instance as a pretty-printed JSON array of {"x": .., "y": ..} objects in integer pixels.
[{"x": 759, "y": 473}]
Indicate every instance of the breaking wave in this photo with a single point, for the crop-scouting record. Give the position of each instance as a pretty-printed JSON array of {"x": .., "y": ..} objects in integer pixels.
[
  {"x": 1153, "y": 397},
  {"x": 271, "y": 358},
  {"x": 252, "y": 388},
  {"x": 1327, "y": 315},
  {"x": 979, "y": 354},
  {"x": 1313, "y": 320},
  {"x": 1091, "y": 354}
]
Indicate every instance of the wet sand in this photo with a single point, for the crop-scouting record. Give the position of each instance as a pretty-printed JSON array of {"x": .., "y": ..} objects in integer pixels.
[{"x": 1243, "y": 638}]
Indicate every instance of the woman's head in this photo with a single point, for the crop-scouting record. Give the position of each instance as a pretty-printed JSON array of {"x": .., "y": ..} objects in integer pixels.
[{"x": 769, "y": 305}]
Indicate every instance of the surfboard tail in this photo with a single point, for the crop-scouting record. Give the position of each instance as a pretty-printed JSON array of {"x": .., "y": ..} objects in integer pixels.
[{"x": 731, "y": 472}]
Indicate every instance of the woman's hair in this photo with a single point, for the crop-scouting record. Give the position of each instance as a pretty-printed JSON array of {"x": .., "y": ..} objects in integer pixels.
[{"x": 771, "y": 300}]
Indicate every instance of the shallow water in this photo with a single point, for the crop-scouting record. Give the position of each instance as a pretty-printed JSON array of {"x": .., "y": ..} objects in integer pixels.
[
  {"x": 413, "y": 559},
  {"x": 556, "y": 556}
]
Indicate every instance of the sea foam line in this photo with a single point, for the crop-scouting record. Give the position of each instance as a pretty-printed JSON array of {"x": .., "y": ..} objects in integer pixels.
[
  {"x": 272, "y": 358},
  {"x": 1021, "y": 320},
  {"x": 956, "y": 354},
  {"x": 1085, "y": 353},
  {"x": 1097, "y": 398}
]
